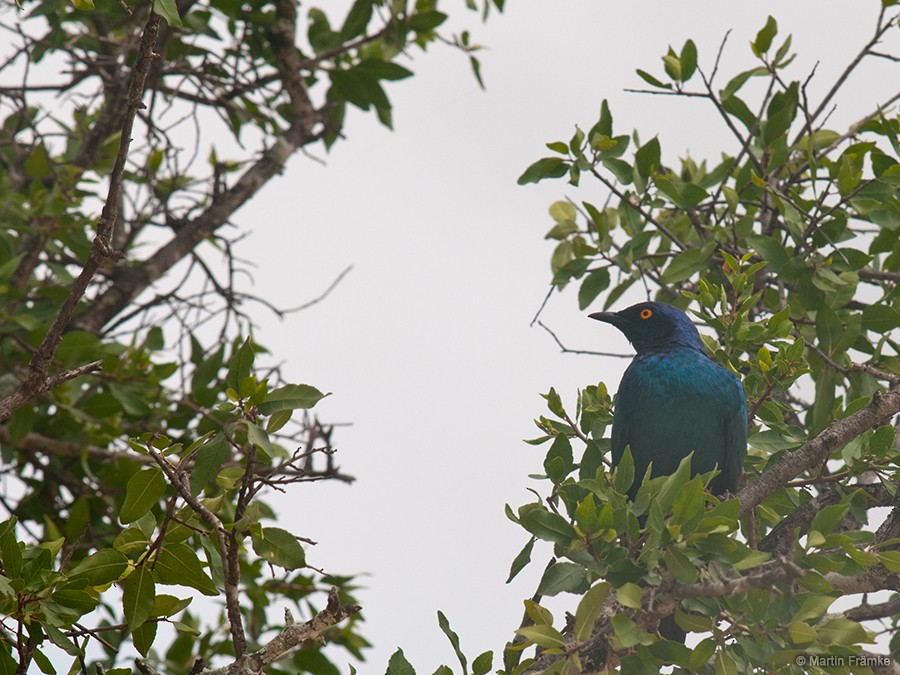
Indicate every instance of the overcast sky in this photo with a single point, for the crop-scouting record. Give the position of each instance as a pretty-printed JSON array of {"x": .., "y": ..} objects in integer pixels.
[{"x": 426, "y": 345}]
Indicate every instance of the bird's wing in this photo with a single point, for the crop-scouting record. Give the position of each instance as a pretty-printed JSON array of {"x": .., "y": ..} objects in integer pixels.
[{"x": 735, "y": 438}]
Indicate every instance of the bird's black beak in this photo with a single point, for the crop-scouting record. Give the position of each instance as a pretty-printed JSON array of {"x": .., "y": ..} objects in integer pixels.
[{"x": 607, "y": 317}]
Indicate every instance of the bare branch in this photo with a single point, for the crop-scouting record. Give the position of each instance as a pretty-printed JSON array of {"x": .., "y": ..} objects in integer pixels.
[{"x": 291, "y": 637}]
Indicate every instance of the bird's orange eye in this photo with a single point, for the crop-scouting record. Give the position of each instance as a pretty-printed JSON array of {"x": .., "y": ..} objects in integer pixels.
[{"x": 646, "y": 313}]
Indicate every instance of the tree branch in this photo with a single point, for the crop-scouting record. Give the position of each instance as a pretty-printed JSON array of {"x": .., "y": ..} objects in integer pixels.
[
  {"x": 129, "y": 282},
  {"x": 293, "y": 635},
  {"x": 37, "y": 382},
  {"x": 879, "y": 411},
  {"x": 226, "y": 543}
]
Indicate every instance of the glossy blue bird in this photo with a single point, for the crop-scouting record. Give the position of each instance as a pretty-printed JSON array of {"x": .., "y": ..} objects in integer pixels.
[{"x": 674, "y": 400}]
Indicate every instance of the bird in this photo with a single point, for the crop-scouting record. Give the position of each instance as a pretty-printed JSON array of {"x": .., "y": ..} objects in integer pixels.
[{"x": 674, "y": 400}]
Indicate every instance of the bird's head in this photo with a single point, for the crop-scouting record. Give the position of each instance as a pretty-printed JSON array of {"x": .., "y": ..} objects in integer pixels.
[{"x": 654, "y": 325}]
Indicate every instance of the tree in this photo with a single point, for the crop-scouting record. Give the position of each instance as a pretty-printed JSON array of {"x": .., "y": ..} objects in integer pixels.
[
  {"x": 141, "y": 422},
  {"x": 786, "y": 249}
]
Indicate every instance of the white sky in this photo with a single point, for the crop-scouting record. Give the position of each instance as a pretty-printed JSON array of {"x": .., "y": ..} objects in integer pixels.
[{"x": 426, "y": 345}]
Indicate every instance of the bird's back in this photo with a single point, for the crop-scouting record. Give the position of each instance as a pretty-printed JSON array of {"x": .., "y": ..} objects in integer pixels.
[{"x": 677, "y": 401}]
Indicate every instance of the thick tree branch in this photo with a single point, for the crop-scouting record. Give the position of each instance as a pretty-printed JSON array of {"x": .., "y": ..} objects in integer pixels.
[
  {"x": 36, "y": 442},
  {"x": 882, "y": 407},
  {"x": 876, "y": 578},
  {"x": 867, "y": 612},
  {"x": 293, "y": 635},
  {"x": 129, "y": 282}
]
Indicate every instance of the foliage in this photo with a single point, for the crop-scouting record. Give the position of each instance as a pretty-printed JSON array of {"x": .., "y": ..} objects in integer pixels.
[
  {"x": 786, "y": 249},
  {"x": 141, "y": 424}
]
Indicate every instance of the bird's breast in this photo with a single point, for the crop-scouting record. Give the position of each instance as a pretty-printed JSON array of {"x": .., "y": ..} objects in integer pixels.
[{"x": 672, "y": 403}]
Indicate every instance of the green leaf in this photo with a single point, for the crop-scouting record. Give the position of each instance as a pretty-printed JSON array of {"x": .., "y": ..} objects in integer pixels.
[
  {"x": 357, "y": 19},
  {"x": 278, "y": 420},
  {"x": 548, "y": 526},
  {"x": 521, "y": 560},
  {"x": 624, "y": 472},
  {"x": 672, "y": 66},
  {"x": 548, "y": 167},
  {"x": 740, "y": 80},
  {"x": 850, "y": 174},
  {"x": 680, "y": 567},
  {"x": 138, "y": 591},
  {"x": 37, "y": 164},
  {"x": 483, "y": 663},
  {"x": 630, "y": 595},
  {"x": 563, "y": 577},
  {"x": 626, "y": 631},
  {"x": 559, "y": 147},
  {"x": 702, "y": 653},
  {"x": 143, "y": 636},
  {"x": 688, "y": 58},
  {"x": 802, "y": 633},
  {"x": 444, "y": 624},
  {"x": 687, "y": 263},
  {"x": 178, "y": 564},
  {"x": 605, "y": 123},
  {"x": 425, "y": 21},
  {"x": 589, "y": 609},
  {"x": 593, "y": 285},
  {"x": 383, "y": 70},
  {"x": 828, "y": 328},
  {"x": 559, "y": 461},
  {"x": 130, "y": 398},
  {"x": 647, "y": 158},
  {"x": 10, "y": 551},
  {"x": 538, "y": 615},
  {"x": 142, "y": 493},
  {"x": 687, "y": 509},
  {"x": 880, "y": 319},
  {"x": 724, "y": 664},
  {"x": 260, "y": 439},
  {"x": 751, "y": 559},
  {"x": 764, "y": 37},
  {"x": 841, "y": 631},
  {"x": 554, "y": 403},
  {"x": 621, "y": 169},
  {"x": 781, "y": 112},
  {"x": 291, "y": 397},
  {"x": 652, "y": 81},
  {"x": 240, "y": 364},
  {"x": 208, "y": 461},
  {"x": 562, "y": 211},
  {"x": 813, "y": 606},
  {"x": 280, "y": 547},
  {"x": 672, "y": 484},
  {"x": 8, "y": 665},
  {"x": 398, "y": 665},
  {"x": 169, "y": 605},
  {"x": 168, "y": 9},
  {"x": 101, "y": 567},
  {"x": 543, "y": 636},
  {"x": 891, "y": 560},
  {"x": 42, "y": 662},
  {"x": 826, "y": 520}
]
